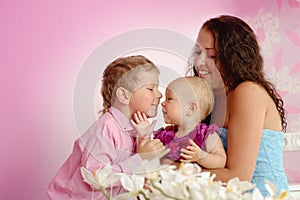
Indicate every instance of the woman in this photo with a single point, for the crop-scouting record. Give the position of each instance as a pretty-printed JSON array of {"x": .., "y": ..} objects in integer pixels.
[{"x": 247, "y": 105}]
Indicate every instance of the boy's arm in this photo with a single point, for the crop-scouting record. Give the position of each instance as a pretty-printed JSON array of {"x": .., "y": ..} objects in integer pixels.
[
  {"x": 109, "y": 146},
  {"x": 214, "y": 157}
]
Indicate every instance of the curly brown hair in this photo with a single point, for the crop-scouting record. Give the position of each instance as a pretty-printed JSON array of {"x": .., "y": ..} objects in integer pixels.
[
  {"x": 238, "y": 57},
  {"x": 117, "y": 74}
]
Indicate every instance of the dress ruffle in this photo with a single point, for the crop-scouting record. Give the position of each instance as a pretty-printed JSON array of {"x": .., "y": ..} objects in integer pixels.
[{"x": 168, "y": 137}]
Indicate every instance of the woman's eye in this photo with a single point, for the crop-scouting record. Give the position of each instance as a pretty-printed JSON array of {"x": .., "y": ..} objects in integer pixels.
[
  {"x": 197, "y": 52},
  {"x": 213, "y": 56}
]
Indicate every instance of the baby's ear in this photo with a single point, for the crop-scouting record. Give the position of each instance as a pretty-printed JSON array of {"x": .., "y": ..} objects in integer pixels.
[
  {"x": 193, "y": 107},
  {"x": 123, "y": 95}
]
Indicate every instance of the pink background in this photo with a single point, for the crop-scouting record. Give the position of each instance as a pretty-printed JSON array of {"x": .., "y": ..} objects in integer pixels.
[{"x": 44, "y": 43}]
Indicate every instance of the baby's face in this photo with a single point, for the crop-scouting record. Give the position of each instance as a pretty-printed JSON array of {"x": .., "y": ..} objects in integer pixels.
[
  {"x": 146, "y": 96},
  {"x": 179, "y": 96}
]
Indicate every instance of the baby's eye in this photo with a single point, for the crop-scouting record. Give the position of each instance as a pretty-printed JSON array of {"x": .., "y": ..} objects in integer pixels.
[
  {"x": 151, "y": 89},
  {"x": 169, "y": 98}
]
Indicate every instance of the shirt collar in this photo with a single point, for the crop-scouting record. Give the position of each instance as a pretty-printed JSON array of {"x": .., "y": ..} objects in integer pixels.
[{"x": 123, "y": 121}]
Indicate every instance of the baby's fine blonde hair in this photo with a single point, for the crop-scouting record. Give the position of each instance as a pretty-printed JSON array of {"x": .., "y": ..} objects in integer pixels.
[
  {"x": 204, "y": 94},
  {"x": 123, "y": 72}
]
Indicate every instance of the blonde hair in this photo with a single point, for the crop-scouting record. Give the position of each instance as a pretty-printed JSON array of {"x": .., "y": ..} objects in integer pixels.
[
  {"x": 204, "y": 94},
  {"x": 122, "y": 72}
]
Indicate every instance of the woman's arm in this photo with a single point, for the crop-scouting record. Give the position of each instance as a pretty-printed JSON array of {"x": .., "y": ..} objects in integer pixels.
[{"x": 247, "y": 109}]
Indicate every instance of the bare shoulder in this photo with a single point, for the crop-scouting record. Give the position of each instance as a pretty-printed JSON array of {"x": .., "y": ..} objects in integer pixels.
[
  {"x": 249, "y": 90},
  {"x": 248, "y": 97},
  {"x": 249, "y": 86}
]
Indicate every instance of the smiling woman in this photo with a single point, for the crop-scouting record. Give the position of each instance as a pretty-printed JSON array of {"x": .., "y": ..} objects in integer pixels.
[{"x": 253, "y": 118}]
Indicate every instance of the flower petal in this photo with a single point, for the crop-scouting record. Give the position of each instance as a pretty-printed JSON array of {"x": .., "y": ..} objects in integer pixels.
[
  {"x": 271, "y": 188},
  {"x": 102, "y": 174},
  {"x": 89, "y": 178},
  {"x": 113, "y": 178},
  {"x": 127, "y": 183},
  {"x": 138, "y": 181}
]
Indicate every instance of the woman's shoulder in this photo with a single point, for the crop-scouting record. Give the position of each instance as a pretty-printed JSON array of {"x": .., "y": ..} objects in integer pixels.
[
  {"x": 249, "y": 90},
  {"x": 248, "y": 97},
  {"x": 249, "y": 85}
]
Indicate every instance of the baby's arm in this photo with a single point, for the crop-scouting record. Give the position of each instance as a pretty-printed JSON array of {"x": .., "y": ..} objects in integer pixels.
[
  {"x": 147, "y": 148},
  {"x": 214, "y": 157}
]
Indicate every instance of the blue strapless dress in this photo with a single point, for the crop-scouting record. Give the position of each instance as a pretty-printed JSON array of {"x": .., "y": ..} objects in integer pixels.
[{"x": 269, "y": 163}]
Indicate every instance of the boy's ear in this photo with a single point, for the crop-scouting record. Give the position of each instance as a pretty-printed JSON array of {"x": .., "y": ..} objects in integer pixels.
[
  {"x": 123, "y": 95},
  {"x": 193, "y": 107}
]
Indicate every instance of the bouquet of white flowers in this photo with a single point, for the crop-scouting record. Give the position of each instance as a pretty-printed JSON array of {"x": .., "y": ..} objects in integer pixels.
[{"x": 155, "y": 181}]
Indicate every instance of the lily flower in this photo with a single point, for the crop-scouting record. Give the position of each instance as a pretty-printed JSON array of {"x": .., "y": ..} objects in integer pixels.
[
  {"x": 134, "y": 185},
  {"x": 100, "y": 179},
  {"x": 271, "y": 188}
]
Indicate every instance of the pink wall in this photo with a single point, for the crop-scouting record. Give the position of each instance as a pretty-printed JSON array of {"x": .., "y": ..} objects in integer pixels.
[{"x": 44, "y": 43}]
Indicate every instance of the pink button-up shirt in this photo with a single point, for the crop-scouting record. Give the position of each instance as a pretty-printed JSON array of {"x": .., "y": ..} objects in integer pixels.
[{"x": 109, "y": 140}]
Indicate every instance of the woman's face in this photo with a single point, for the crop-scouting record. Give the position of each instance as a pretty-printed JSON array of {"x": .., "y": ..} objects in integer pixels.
[{"x": 205, "y": 60}]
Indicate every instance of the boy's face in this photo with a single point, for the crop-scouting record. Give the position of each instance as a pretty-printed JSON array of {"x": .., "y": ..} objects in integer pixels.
[{"x": 145, "y": 98}]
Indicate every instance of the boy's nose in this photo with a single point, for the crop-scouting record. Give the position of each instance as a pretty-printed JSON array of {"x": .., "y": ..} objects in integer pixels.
[{"x": 159, "y": 95}]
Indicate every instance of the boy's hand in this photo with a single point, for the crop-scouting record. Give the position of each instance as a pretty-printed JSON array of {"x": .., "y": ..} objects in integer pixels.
[
  {"x": 142, "y": 125},
  {"x": 192, "y": 153},
  {"x": 150, "y": 149}
]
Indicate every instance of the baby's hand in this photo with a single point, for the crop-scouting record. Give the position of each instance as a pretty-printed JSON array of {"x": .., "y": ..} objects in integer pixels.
[
  {"x": 150, "y": 149},
  {"x": 192, "y": 153},
  {"x": 142, "y": 125}
]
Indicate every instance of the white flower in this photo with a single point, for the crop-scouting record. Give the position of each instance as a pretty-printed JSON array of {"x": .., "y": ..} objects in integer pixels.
[
  {"x": 162, "y": 182},
  {"x": 271, "y": 188},
  {"x": 150, "y": 168},
  {"x": 89, "y": 178},
  {"x": 256, "y": 195},
  {"x": 190, "y": 169},
  {"x": 236, "y": 186},
  {"x": 100, "y": 178},
  {"x": 134, "y": 185}
]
